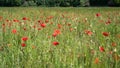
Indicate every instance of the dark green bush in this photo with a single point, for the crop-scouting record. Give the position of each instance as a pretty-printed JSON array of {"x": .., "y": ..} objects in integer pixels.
[
  {"x": 117, "y": 2},
  {"x": 11, "y": 2},
  {"x": 61, "y": 3},
  {"x": 98, "y": 2}
]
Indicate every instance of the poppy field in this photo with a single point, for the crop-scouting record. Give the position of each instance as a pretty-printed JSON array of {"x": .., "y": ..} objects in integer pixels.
[{"x": 59, "y": 37}]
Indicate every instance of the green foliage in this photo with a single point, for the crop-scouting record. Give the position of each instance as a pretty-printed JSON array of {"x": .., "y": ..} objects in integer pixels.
[
  {"x": 117, "y": 2},
  {"x": 81, "y": 40},
  {"x": 65, "y": 3},
  {"x": 11, "y": 2},
  {"x": 98, "y": 2},
  {"x": 61, "y": 3}
]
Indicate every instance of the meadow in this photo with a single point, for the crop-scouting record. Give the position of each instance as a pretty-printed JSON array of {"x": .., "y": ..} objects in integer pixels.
[{"x": 32, "y": 37}]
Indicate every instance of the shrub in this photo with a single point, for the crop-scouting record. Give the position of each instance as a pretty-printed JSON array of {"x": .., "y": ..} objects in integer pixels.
[
  {"x": 117, "y": 2},
  {"x": 98, "y": 2}
]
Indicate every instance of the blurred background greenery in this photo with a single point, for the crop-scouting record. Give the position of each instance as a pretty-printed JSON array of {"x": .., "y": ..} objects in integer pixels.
[{"x": 60, "y": 3}]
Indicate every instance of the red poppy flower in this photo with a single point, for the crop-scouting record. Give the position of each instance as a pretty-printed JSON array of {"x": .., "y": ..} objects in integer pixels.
[
  {"x": 108, "y": 22},
  {"x": 101, "y": 48},
  {"x": 47, "y": 20},
  {"x": 98, "y": 14},
  {"x": 88, "y": 32},
  {"x": 24, "y": 18},
  {"x": 40, "y": 21},
  {"x": 34, "y": 26},
  {"x": 1, "y": 17},
  {"x": 105, "y": 33},
  {"x": 24, "y": 38},
  {"x": 7, "y": 20},
  {"x": 113, "y": 44},
  {"x": 24, "y": 28},
  {"x": 50, "y": 17},
  {"x": 14, "y": 31},
  {"x": 3, "y": 25},
  {"x": 56, "y": 32},
  {"x": 55, "y": 43},
  {"x": 59, "y": 26},
  {"x": 69, "y": 24},
  {"x": 15, "y": 20},
  {"x": 96, "y": 61},
  {"x": 43, "y": 25},
  {"x": 23, "y": 44},
  {"x": 39, "y": 28},
  {"x": 71, "y": 29}
]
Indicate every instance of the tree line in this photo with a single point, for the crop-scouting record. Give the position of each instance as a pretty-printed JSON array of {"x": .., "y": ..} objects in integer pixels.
[{"x": 60, "y": 3}]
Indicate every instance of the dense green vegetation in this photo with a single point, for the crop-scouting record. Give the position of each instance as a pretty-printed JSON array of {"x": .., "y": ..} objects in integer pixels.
[
  {"x": 62, "y": 3},
  {"x": 39, "y": 37}
]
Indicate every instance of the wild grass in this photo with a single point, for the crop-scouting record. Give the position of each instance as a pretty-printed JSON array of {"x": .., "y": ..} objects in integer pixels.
[{"x": 86, "y": 37}]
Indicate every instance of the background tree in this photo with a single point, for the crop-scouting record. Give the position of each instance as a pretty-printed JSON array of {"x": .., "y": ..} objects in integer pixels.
[
  {"x": 61, "y": 3},
  {"x": 117, "y": 2},
  {"x": 98, "y": 2}
]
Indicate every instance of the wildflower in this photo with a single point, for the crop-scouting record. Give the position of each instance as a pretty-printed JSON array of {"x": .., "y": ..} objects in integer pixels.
[
  {"x": 59, "y": 26},
  {"x": 113, "y": 44},
  {"x": 50, "y": 17},
  {"x": 24, "y": 18},
  {"x": 55, "y": 43},
  {"x": 98, "y": 14},
  {"x": 71, "y": 29},
  {"x": 47, "y": 20},
  {"x": 69, "y": 24},
  {"x": 33, "y": 46},
  {"x": 101, "y": 48},
  {"x": 34, "y": 26},
  {"x": 24, "y": 28},
  {"x": 105, "y": 33},
  {"x": 23, "y": 44},
  {"x": 3, "y": 25},
  {"x": 96, "y": 61},
  {"x": 51, "y": 23},
  {"x": 108, "y": 22},
  {"x": 40, "y": 21},
  {"x": 14, "y": 31},
  {"x": 88, "y": 32},
  {"x": 56, "y": 32},
  {"x": 1, "y": 17},
  {"x": 43, "y": 25},
  {"x": 7, "y": 20},
  {"x": 39, "y": 28},
  {"x": 24, "y": 38},
  {"x": 15, "y": 20}
]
